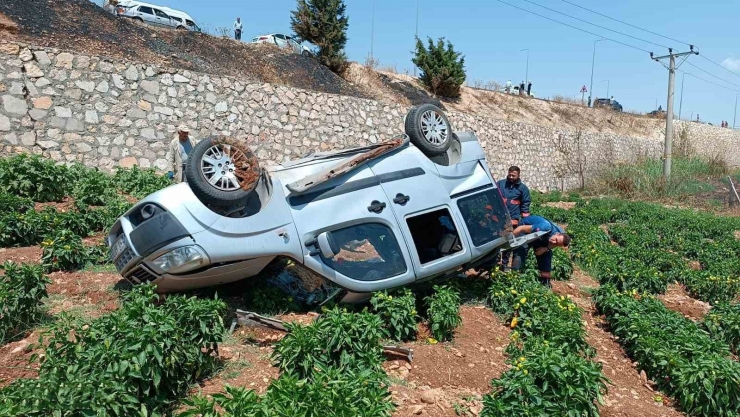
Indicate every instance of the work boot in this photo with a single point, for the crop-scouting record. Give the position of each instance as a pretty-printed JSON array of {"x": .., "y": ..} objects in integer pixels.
[{"x": 545, "y": 282}]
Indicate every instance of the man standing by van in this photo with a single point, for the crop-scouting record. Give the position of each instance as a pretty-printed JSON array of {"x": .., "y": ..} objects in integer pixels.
[
  {"x": 238, "y": 29},
  {"x": 517, "y": 200},
  {"x": 177, "y": 156},
  {"x": 554, "y": 237}
]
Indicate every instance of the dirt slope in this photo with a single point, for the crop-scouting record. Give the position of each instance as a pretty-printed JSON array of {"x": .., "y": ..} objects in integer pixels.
[{"x": 84, "y": 27}]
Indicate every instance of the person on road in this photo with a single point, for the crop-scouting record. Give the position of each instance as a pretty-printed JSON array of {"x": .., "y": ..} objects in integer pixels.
[
  {"x": 529, "y": 88},
  {"x": 177, "y": 155},
  {"x": 521, "y": 88},
  {"x": 542, "y": 246},
  {"x": 589, "y": 101},
  {"x": 508, "y": 87},
  {"x": 238, "y": 29},
  {"x": 517, "y": 199}
]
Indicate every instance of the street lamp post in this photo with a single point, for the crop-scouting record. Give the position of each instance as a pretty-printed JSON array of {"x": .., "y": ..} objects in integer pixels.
[
  {"x": 593, "y": 60},
  {"x": 416, "y": 33},
  {"x": 607, "y": 87},
  {"x": 526, "y": 71}
]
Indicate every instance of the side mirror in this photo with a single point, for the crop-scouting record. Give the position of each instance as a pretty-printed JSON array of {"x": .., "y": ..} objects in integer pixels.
[{"x": 327, "y": 245}]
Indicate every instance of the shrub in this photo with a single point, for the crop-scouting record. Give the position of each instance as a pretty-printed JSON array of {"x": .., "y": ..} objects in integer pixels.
[
  {"x": 338, "y": 338},
  {"x": 674, "y": 352},
  {"x": 562, "y": 265},
  {"x": 546, "y": 381},
  {"x": 64, "y": 252},
  {"x": 324, "y": 24},
  {"x": 134, "y": 361},
  {"x": 21, "y": 289},
  {"x": 442, "y": 69},
  {"x": 397, "y": 311},
  {"x": 443, "y": 310},
  {"x": 139, "y": 182},
  {"x": 33, "y": 177},
  {"x": 93, "y": 188},
  {"x": 13, "y": 203},
  {"x": 723, "y": 323}
]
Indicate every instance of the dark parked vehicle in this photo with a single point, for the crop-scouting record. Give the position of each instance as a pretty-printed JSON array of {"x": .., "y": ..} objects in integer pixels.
[{"x": 605, "y": 102}]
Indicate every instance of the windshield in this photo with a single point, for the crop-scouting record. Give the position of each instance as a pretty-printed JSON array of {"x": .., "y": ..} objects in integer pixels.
[{"x": 485, "y": 216}]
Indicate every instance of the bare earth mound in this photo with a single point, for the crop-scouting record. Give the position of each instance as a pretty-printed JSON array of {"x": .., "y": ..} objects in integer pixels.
[{"x": 82, "y": 26}]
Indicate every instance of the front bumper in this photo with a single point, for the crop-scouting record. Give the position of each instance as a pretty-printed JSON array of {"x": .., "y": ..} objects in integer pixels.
[{"x": 134, "y": 238}]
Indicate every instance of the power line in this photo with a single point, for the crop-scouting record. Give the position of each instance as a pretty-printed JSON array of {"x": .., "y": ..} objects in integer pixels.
[
  {"x": 624, "y": 23},
  {"x": 710, "y": 74},
  {"x": 707, "y": 81},
  {"x": 574, "y": 27},
  {"x": 598, "y": 26},
  {"x": 721, "y": 66}
]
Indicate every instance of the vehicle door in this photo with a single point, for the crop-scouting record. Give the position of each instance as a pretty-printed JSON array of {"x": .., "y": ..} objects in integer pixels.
[
  {"x": 295, "y": 46},
  {"x": 146, "y": 14},
  {"x": 163, "y": 19},
  {"x": 430, "y": 224},
  {"x": 280, "y": 40},
  {"x": 353, "y": 210}
]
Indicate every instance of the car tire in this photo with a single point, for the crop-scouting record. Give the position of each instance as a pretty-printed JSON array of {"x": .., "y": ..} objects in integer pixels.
[
  {"x": 429, "y": 129},
  {"x": 240, "y": 172},
  {"x": 306, "y": 54},
  {"x": 138, "y": 19}
]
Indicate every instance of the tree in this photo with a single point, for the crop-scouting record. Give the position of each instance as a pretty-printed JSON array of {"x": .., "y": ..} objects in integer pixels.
[
  {"x": 323, "y": 23},
  {"x": 442, "y": 69}
]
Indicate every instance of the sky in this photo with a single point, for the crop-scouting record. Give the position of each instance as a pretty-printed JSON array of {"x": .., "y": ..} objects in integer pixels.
[{"x": 491, "y": 35}]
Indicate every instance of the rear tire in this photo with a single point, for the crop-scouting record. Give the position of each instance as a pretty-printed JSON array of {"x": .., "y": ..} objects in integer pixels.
[
  {"x": 428, "y": 128},
  {"x": 223, "y": 172},
  {"x": 138, "y": 19}
]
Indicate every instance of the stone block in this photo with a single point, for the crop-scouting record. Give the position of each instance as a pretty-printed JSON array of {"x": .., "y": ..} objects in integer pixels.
[
  {"x": 28, "y": 138},
  {"x": 127, "y": 162},
  {"x": 91, "y": 116},
  {"x": 11, "y": 138},
  {"x": 42, "y": 58},
  {"x": 102, "y": 87},
  {"x": 151, "y": 87},
  {"x": 43, "y": 103},
  {"x": 118, "y": 81},
  {"x": 9, "y": 48},
  {"x": 4, "y": 123},
  {"x": 180, "y": 79},
  {"x": 46, "y": 144},
  {"x": 14, "y": 105},
  {"x": 87, "y": 86},
  {"x": 64, "y": 60},
  {"x": 132, "y": 74},
  {"x": 136, "y": 113},
  {"x": 37, "y": 114},
  {"x": 62, "y": 111},
  {"x": 75, "y": 125},
  {"x": 42, "y": 82}
]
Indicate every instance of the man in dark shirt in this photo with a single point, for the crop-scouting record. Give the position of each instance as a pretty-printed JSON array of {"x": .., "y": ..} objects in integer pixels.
[
  {"x": 542, "y": 247},
  {"x": 517, "y": 199}
]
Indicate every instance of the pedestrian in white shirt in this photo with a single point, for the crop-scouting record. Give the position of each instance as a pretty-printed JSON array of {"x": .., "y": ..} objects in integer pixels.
[{"x": 238, "y": 29}]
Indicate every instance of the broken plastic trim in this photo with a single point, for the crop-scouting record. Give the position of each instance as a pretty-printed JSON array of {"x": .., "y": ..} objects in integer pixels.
[
  {"x": 346, "y": 166},
  {"x": 243, "y": 317}
]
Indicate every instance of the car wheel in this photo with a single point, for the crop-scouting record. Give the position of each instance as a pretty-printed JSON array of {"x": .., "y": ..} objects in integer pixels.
[
  {"x": 306, "y": 53},
  {"x": 429, "y": 129},
  {"x": 222, "y": 172},
  {"x": 138, "y": 19}
]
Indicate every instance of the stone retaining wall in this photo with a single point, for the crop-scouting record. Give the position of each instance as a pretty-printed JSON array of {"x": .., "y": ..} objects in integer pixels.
[{"x": 108, "y": 113}]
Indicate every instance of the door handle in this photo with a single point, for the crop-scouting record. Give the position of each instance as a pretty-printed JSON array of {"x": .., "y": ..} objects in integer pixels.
[
  {"x": 401, "y": 199},
  {"x": 376, "y": 206}
]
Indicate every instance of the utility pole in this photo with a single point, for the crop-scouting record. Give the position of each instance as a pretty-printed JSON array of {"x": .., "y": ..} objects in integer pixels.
[
  {"x": 669, "y": 106},
  {"x": 372, "y": 32},
  {"x": 734, "y": 114},
  {"x": 680, "y": 102},
  {"x": 593, "y": 60},
  {"x": 416, "y": 33},
  {"x": 656, "y": 104},
  {"x": 526, "y": 71}
]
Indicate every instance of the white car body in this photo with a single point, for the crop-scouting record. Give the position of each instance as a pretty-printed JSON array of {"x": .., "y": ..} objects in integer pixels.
[
  {"x": 283, "y": 41},
  {"x": 156, "y": 15}
]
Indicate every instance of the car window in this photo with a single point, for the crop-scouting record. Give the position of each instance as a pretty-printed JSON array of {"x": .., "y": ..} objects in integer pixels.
[
  {"x": 279, "y": 36},
  {"x": 144, "y": 9},
  {"x": 161, "y": 14},
  {"x": 484, "y": 215},
  {"x": 176, "y": 19},
  {"x": 367, "y": 252},
  {"x": 435, "y": 235},
  {"x": 189, "y": 22}
]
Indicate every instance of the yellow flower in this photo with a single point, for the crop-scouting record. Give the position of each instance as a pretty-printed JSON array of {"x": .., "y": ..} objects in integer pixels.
[
  {"x": 413, "y": 312},
  {"x": 390, "y": 297},
  {"x": 432, "y": 341},
  {"x": 513, "y": 291},
  {"x": 522, "y": 359},
  {"x": 526, "y": 372},
  {"x": 523, "y": 300},
  {"x": 514, "y": 321}
]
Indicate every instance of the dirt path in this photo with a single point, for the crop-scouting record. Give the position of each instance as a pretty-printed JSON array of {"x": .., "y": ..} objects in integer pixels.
[
  {"x": 677, "y": 299},
  {"x": 631, "y": 394}
]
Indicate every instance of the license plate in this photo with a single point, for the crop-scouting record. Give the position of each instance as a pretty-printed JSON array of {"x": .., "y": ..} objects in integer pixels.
[{"x": 118, "y": 247}]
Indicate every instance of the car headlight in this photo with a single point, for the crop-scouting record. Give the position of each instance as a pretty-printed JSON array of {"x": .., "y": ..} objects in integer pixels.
[{"x": 182, "y": 259}]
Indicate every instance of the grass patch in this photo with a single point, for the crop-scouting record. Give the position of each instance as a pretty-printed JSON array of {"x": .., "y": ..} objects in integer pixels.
[
  {"x": 689, "y": 176},
  {"x": 105, "y": 268},
  {"x": 235, "y": 367}
]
